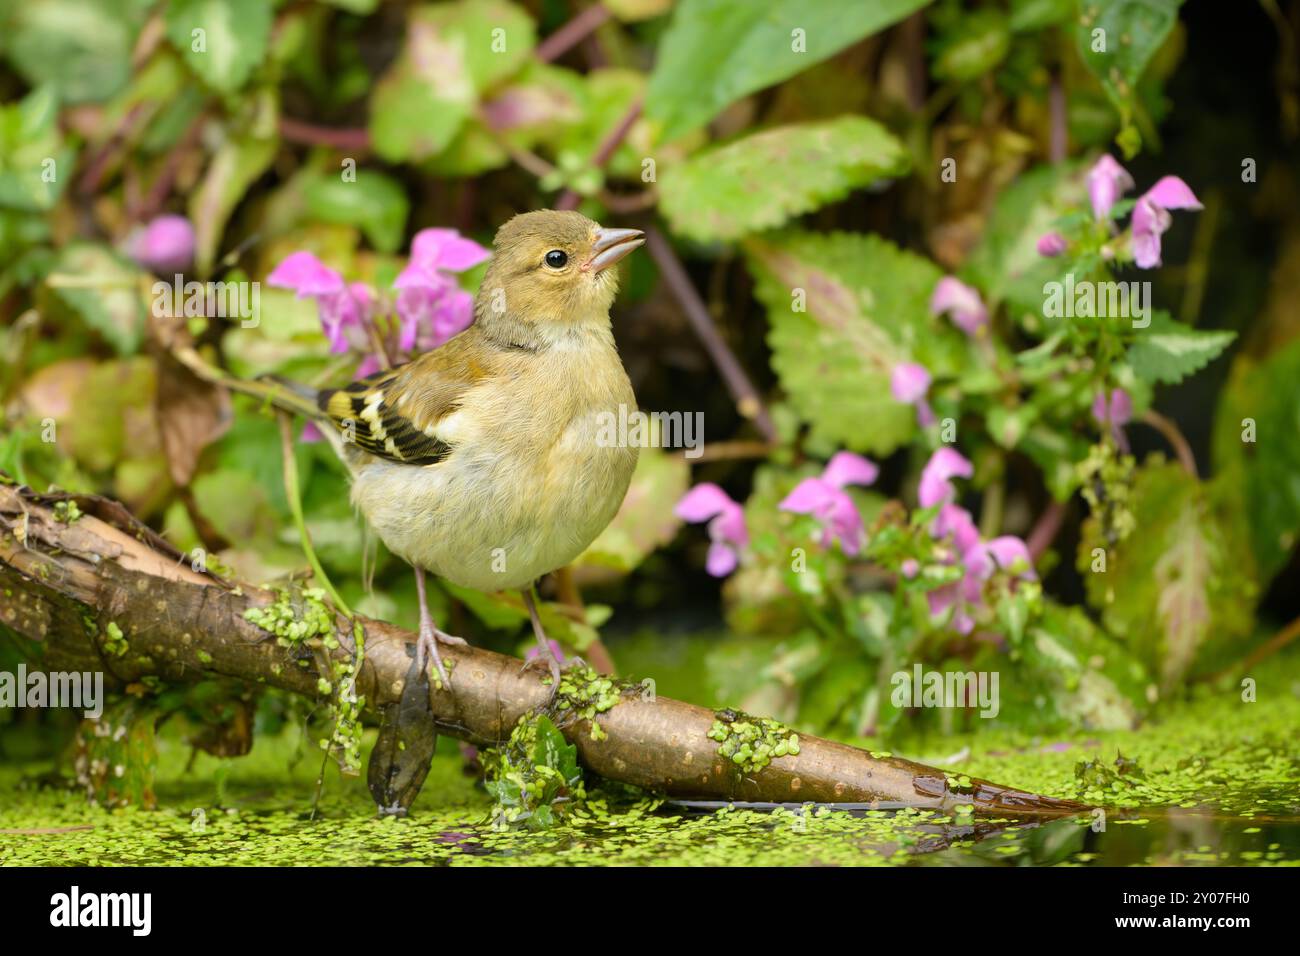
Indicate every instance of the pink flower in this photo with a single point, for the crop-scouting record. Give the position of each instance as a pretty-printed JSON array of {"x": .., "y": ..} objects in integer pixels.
[
  {"x": 165, "y": 245},
  {"x": 955, "y": 522},
  {"x": 1114, "y": 413},
  {"x": 936, "y": 487},
  {"x": 1151, "y": 217},
  {"x": 908, "y": 383},
  {"x": 345, "y": 310},
  {"x": 430, "y": 316},
  {"x": 961, "y": 303},
  {"x": 825, "y": 499},
  {"x": 431, "y": 307},
  {"x": 1007, "y": 553},
  {"x": 727, "y": 531},
  {"x": 911, "y": 568},
  {"x": 1107, "y": 181},
  {"x": 1051, "y": 245},
  {"x": 980, "y": 561}
]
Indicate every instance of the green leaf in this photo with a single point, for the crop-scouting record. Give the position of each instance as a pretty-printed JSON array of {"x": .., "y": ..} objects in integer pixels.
[
  {"x": 237, "y": 164},
  {"x": 82, "y": 47},
  {"x": 454, "y": 54},
  {"x": 1256, "y": 455},
  {"x": 763, "y": 180},
  {"x": 104, "y": 290},
  {"x": 977, "y": 44},
  {"x": 867, "y": 309},
  {"x": 1169, "y": 351},
  {"x": 1116, "y": 40},
  {"x": 374, "y": 201},
  {"x": 34, "y": 163},
  {"x": 716, "y": 51},
  {"x": 223, "y": 41},
  {"x": 1006, "y": 264},
  {"x": 1178, "y": 581}
]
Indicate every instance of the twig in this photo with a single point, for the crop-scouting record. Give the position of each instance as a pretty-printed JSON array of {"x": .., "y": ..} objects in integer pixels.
[
  {"x": 1169, "y": 430},
  {"x": 309, "y": 134},
  {"x": 731, "y": 451},
  {"x": 572, "y": 33},
  {"x": 738, "y": 384},
  {"x": 1274, "y": 644}
]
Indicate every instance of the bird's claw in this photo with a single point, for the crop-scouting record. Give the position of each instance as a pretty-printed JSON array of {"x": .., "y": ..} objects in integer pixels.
[
  {"x": 426, "y": 648},
  {"x": 551, "y": 664}
]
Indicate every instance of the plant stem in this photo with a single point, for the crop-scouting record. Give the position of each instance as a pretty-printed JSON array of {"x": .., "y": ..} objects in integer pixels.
[
  {"x": 572, "y": 33},
  {"x": 1167, "y": 428},
  {"x": 295, "y": 506},
  {"x": 738, "y": 384}
]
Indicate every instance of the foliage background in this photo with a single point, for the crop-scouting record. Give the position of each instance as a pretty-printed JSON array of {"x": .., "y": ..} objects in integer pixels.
[{"x": 774, "y": 168}]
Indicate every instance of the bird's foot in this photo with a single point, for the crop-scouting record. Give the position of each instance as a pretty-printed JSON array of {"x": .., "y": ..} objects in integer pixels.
[
  {"x": 426, "y": 649},
  {"x": 552, "y": 664}
]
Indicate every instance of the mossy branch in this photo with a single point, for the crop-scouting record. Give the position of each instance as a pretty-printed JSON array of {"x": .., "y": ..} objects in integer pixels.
[{"x": 62, "y": 583}]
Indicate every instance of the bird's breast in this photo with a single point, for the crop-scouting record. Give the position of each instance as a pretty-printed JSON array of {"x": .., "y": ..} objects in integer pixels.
[{"x": 533, "y": 476}]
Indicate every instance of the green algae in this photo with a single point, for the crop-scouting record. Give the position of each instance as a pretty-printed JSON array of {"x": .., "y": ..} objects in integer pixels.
[
  {"x": 1219, "y": 784},
  {"x": 584, "y": 694},
  {"x": 751, "y": 743},
  {"x": 295, "y": 619}
]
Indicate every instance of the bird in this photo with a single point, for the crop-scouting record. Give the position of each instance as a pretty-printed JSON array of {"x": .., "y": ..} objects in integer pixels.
[{"x": 483, "y": 461}]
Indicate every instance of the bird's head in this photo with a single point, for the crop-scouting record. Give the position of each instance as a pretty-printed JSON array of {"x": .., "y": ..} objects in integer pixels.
[{"x": 552, "y": 272}]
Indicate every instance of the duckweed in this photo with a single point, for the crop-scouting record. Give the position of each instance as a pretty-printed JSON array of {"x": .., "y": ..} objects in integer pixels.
[{"x": 751, "y": 743}]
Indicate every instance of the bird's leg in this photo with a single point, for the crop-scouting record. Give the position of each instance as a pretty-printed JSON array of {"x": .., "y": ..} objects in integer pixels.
[
  {"x": 427, "y": 645},
  {"x": 547, "y": 652}
]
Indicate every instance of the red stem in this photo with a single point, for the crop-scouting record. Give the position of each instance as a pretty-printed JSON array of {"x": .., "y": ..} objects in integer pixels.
[
  {"x": 738, "y": 384},
  {"x": 571, "y": 34}
]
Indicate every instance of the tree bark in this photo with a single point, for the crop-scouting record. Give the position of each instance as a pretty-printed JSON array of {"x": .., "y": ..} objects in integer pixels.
[{"x": 62, "y": 583}]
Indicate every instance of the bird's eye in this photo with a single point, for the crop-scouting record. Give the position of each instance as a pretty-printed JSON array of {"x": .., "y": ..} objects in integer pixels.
[{"x": 556, "y": 258}]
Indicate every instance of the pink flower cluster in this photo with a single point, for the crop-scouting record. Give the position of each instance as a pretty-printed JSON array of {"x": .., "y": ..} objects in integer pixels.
[
  {"x": 1107, "y": 182},
  {"x": 979, "y": 559},
  {"x": 430, "y": 305}
]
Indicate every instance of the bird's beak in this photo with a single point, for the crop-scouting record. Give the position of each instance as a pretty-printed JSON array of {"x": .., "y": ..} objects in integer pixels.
[{"x": 611, "y": 245}]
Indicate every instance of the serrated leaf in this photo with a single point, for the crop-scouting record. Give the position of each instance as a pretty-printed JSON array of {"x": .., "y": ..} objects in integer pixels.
[
  {"x": 763, "y": 180},
  {"x": 1178, "y": 581},
  {"x": 232, "y": 42},
  {"x": 716, "y": 51},
  {"x": 1256, "y": 455},
  {"x": 1168, "y": 351},
  {"x": 867, "y": 309}
]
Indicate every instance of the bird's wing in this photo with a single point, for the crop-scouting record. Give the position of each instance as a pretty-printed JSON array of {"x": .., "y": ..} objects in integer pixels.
[{"x": 395, "y": 413}]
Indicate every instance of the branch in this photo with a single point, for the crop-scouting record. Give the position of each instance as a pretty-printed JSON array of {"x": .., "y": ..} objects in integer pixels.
[{"x": 61, "y": 584}]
